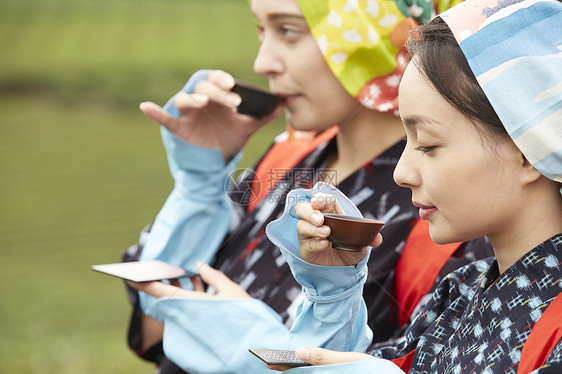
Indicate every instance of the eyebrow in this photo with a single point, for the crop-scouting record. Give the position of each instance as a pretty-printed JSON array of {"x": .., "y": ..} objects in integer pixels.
[
  {"x": 284, "y": 16},
  {"x": 414, "y": 120},
  {"x": 277, "y": 16}
]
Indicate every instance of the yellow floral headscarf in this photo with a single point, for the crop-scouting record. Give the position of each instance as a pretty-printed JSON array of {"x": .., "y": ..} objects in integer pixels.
[{"x": 363, "y": 42}]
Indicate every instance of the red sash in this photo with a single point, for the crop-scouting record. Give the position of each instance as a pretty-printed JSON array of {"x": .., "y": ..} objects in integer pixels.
[
  {"x": 281, "y": 158},
  {"x": 405, "y": 362},
  {"x": 543, "y": 338},
  {"x": 418, "y": 267}
]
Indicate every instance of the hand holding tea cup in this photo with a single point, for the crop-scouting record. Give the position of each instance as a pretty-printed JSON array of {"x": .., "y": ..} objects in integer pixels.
[
  {"x": 315, "y": 236},
  {"x": 209, "y": 116}
]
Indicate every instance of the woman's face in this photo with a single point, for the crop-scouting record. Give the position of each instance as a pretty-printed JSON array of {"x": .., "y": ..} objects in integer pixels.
[
  {"x": 463, "y": 181},
  {"x": 290, "y": 58}
]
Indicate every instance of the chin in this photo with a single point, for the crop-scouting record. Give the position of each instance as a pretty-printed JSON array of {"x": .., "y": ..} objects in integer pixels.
[
  {"x": 306, "y": 121},
  {"x": 300, "y": 125},
  {"x": 442, "y": 240},
  {"x": 305, "y": 125},
  {"x": 441, "y": 236},
  {"x": 293, "y": 121}
]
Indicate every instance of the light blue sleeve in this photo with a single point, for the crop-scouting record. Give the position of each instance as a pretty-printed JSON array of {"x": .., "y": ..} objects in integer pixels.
[
  {"x": 214, "y": 336},
  {"x": 194, "y": 219},
  {"x": 333, "y": 311}
]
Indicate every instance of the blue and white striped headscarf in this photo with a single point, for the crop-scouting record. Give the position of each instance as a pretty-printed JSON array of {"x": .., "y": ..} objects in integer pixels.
[{"x": 514, "y": 48}]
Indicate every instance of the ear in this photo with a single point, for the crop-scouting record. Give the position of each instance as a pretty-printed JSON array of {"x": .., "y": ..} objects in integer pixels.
[{"x": 528, "y": 172}]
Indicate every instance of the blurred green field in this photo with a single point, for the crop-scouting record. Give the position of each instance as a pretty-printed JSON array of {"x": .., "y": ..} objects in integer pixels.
[{"x": 82, "y": 169}]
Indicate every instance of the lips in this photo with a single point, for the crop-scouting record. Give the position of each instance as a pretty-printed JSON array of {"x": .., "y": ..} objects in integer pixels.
[
  {"x": 290, "y": 99},
  {"x": 287, "y": 98},
  {"x": 425, "y": 211}
]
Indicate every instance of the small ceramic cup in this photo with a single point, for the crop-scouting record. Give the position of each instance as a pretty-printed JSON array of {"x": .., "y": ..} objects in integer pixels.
[
  {"x": 256, "y": 102},
  {"x": 350, "y": 233}
]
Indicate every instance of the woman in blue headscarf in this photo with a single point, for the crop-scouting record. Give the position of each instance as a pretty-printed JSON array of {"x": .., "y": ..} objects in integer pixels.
[{"x": 481, "y": 103}]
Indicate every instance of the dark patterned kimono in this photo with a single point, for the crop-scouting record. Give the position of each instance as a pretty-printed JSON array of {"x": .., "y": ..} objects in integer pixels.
[
  {"x": 252, "y": 261},
  {"x": 478, "y": 320}
]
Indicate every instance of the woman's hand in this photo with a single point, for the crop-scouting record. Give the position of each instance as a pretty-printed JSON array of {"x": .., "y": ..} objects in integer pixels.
[
  {"x": 152, "y": 330},
  {"x": 224, "y": 287},
  {"x": 314, "y": 247},
  {"x": 209, "y": 117},
  {"x": 320, "y": 356}
]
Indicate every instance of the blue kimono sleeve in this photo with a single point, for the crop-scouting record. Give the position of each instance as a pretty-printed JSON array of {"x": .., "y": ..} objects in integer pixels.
[
  {"x": 214, "y": 336},
  {"x": 194, "y": 219},
  {"x": 333, "y": 311}
]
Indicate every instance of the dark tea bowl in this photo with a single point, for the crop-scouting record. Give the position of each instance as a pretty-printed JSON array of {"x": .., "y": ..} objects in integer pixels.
[
  {"x": 256, "y": 102},
  {"x": 348, "y": 233}
]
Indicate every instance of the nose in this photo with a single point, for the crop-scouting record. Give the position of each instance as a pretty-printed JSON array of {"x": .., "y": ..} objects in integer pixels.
[
  {"x": 268, "y": 62},
  {"x": 406, "y": 173}
]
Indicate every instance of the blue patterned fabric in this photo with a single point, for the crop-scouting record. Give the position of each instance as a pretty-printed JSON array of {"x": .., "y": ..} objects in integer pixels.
[
  {"x": 479, "y": 320},
  {"x": 514, "y": 48}
]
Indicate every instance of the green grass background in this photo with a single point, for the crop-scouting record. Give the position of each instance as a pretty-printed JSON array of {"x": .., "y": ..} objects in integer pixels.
[{"x": 82, "y": 170}]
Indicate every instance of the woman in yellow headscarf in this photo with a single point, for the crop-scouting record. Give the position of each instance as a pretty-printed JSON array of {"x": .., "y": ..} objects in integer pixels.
[{"x": 337, "y": 64}]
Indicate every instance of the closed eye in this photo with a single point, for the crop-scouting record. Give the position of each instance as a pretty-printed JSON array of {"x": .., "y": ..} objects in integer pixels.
[{"x": 424, "y": 149}]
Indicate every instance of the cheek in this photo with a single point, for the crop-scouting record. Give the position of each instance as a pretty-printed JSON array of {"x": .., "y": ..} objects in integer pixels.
[
  {"x": 327, "y": 101},
  {"x": 467, "y": 170},
  {"x": 306, "y": 63},
  {"x": 314, "y": 76},
  {"x": 456, "y": 184},
  {"x": 475, "y": 196}
]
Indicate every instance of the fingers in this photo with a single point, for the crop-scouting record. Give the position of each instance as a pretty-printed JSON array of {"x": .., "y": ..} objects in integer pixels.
[
  {"x": 156, "y": 289},
  {"x": 312, "y": 234},
  {"x": 225, "y": 288},
  {"x": 158, "y": 114},
  {"x": 197, "y": 284},
  {"x": 311, "y": 231},
  {"x": 159, "y": 290},
  {"x": 305, "y": 211},
  {"x": 221, "y": 79},
  {"x": 278, "y": 367},
  {"x": 377, "y": 241},
  {"x": 319, "y": 203},
  {"x": 326, "y": 203},
  {"x": 213, "y": 277},
  {"x": 187, "y": 102},
  {"x": 307, "y": 230},
  {"x": 311, "y": 212},
  {"x": 320, "y": 356},
  {"x": 218, "y": 88}
]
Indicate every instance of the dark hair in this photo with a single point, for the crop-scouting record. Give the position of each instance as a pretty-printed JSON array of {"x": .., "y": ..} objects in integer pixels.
[{"x": 441, "y": 61}]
